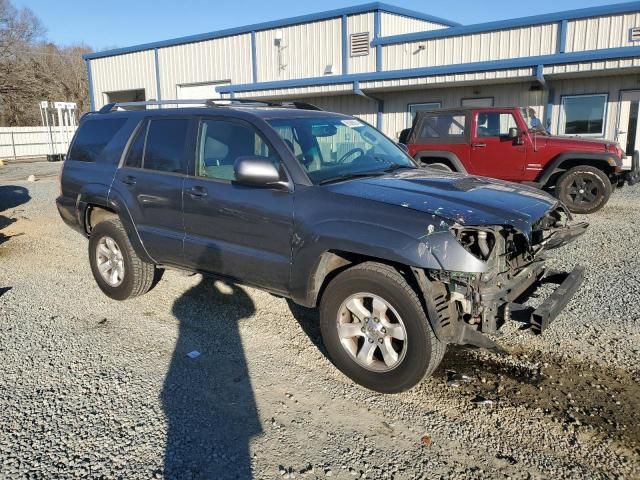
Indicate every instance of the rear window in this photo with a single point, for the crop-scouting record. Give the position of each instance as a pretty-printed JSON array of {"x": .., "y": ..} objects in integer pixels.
[{"x": 93, "y": 137}]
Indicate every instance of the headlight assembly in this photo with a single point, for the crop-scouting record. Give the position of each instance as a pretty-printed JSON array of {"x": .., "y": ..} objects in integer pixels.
[{"x": 478, "y": 242}]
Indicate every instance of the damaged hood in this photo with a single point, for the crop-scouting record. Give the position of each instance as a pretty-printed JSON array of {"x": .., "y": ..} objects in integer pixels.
[{"x": 467, "y": 200}]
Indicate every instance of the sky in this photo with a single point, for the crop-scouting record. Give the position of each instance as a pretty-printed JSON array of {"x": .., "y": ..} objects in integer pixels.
[{"x": 121, "y": 23}]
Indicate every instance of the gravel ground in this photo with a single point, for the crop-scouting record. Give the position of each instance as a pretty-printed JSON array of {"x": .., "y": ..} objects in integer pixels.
[{"x": 94, "y": 387}]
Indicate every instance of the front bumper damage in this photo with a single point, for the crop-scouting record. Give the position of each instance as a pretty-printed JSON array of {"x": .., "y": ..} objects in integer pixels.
[{"x": 468, "y": 308}]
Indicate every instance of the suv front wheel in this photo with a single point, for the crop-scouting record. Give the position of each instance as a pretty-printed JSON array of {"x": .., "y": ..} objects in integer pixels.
[
  {"x": 375, "y": 329},
  {"x": 116, "y": 267},
  {"x": 584, "y": 189}
]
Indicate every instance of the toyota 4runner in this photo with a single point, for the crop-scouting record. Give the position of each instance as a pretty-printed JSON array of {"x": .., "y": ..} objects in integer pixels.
[
  {"x": 511, "y": 144},
  {"x": 320, "y": 208}
]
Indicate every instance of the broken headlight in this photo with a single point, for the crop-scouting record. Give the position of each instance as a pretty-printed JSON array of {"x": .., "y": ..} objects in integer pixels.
[{"x": 478, "y": 242}]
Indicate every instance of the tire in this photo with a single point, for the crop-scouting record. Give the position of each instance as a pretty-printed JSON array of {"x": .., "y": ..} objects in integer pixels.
[
  {"x": 584, "y": 189},
  {"x": 417, "y": 356},
  {"x": 440, "y": 166},
  {"x": 137, "y": 276}
]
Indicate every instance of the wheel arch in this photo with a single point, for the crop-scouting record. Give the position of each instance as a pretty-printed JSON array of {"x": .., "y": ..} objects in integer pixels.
[
  {"x": 451, "y": 158},
  {"x": 95, "y": 209},
  {"x": 566, "y": 161}
]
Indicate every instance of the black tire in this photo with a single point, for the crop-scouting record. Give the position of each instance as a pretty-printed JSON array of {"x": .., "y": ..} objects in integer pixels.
[
  {"x": 139, "y": 276},
  {"x": 440, "y": 166},
  {"x": 423, "y": 350},
  {"x": 584, "y": 189}
]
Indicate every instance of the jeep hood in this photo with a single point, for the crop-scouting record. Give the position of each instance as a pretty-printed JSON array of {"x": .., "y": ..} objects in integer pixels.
[
  {"x": 466, "y": 200},
  {"x": 575, "y": 142}
]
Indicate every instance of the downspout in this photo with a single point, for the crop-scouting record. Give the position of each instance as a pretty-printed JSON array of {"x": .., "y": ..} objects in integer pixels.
[
  {"x": 548, "y": 111},
  {"x": 380, "y": 103}
]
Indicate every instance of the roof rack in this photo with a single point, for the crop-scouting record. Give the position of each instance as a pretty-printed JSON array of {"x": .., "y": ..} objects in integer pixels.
[{"x": 209, "y": 102}]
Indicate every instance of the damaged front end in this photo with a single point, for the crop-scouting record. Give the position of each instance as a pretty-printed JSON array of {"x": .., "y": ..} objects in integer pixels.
[{"x": 463, "y": 306}]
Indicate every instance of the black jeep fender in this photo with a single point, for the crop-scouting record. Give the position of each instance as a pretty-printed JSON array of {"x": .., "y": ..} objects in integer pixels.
[
  {"x": 558, "y": 164},
  {"x": 98, "y": 195},
  {"x": 450, "y": 156}
]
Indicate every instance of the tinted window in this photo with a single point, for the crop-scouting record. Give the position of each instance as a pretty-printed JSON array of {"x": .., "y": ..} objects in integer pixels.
[
  {"x": 92, "y": 137},
  {"x": 222, "y": 142},
  {"x": 136, "y": 150},
  {"x": 165, "y": 145},
  {"x": 494, "y": 124}
]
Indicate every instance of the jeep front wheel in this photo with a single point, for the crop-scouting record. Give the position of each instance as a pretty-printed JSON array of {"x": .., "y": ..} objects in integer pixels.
[
  {"x": 584, "y": 189},
  {"x": 375, "y": 329},
  {"x": 116, "y": 267}
]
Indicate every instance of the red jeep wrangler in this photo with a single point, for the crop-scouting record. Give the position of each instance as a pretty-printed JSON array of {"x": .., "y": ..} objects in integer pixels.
[{"x": 511, "y": 144}]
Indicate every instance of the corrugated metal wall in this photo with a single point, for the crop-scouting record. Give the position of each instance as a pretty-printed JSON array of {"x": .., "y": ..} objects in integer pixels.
[
  {"x": 360, "y": 24},
  {"x": 355, "y": 105},
  {"x": 392, "y": 24},
  {"x": 222, "y": 59},
  {"x": 601, "y": 32},
  {"x": 501, "y": 44},
  {"x": 396, "y": 105},
  {"x": 306, "y": 51},
  {"x": 611, "y": 85},
  {"x": 124, "y": 72}
]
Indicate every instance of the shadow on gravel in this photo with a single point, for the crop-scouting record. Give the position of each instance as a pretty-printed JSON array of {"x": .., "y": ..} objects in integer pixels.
[
  {"x": 11, "y": 196},
  {"x": 595, "y": 399},
  {"x": 208, "y": 400},
  {"x": 309, "y": 320}
]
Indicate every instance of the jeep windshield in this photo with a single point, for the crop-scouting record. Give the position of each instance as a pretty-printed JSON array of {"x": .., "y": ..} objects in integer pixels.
[{"x": 334, "y": 149}]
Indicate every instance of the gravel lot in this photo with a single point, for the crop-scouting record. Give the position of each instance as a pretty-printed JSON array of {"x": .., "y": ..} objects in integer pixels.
[{"x": 94, "y": 387}]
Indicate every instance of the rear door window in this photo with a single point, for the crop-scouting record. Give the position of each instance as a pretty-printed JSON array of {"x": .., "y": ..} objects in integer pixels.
[
  {"x": 136, "y": 150},
  {"x": 166, "y": 140},
  {"x": 92, "y": 138}
]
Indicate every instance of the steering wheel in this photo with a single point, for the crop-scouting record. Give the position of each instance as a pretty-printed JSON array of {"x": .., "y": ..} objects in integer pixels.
[{"x": 351, "y": 152}]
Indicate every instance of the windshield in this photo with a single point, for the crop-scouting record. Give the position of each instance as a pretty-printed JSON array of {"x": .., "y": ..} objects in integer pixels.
[
  {"x": 534, "y": 124},
  {"x": 332, "y": 149}
]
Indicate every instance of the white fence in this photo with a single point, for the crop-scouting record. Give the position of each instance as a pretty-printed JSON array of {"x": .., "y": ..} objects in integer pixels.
[{"x": 17, "y": 142}]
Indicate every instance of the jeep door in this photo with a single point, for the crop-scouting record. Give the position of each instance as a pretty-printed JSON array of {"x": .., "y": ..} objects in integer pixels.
[
  {"x": 243, "y": 232},
  {"x": 150, "y": 183},
  {"x": 493, "y": 153}
]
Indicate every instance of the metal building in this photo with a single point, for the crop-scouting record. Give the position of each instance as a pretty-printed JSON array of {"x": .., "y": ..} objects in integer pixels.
[{"x": 579, "y": 69}]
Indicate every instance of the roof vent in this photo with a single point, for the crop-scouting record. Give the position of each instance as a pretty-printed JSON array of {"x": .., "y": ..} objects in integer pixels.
[
  {"x": 634, "y": 34},
  {"x": 359, "y": 44}
]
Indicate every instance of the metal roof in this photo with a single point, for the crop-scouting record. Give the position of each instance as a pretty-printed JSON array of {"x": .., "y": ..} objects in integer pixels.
[{"x": 313, "y": 17}]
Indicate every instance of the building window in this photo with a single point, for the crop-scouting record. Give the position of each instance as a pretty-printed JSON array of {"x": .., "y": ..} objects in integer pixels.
[
  {"x": 477, "y": 102},
  {"x": 583, "y": 114},
  {"x": 414, "y": 107}
]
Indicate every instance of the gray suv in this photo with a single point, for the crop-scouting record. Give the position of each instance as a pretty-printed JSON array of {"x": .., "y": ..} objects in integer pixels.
[{"x": 320, "y": 208}]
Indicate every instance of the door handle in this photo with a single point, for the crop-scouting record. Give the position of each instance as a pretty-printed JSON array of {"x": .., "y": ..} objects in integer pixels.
[
  {"x": 129, "y": 180},
  {"x": 198, "y": 192},
  {"x": 478, "y": 145}
]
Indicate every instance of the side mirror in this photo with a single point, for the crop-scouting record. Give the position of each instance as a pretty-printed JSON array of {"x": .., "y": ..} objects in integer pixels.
[
  {"x": 255, "y": 171},
  {"x": 514, "y": 133}
]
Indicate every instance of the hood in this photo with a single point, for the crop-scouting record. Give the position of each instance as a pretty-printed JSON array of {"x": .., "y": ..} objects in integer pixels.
[
  {"x": 466, "y": 200},
  {"x": 567, "y": 141}
]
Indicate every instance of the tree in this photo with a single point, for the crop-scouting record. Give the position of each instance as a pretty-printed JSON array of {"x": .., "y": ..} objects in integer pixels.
[{"x": 32, "y": 70}]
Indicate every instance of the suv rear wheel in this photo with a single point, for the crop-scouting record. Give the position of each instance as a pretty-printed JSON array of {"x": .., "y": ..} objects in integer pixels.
[
  {"x": 116, "y": 267},
  {"x": 584, "y": 189},
  {"x": 375, "y": 329}
]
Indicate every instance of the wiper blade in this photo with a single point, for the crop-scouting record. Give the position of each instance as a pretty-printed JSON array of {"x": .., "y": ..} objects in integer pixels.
[
  {"x": 350, "y": 176},
  {"x": 395, "y": 167}
]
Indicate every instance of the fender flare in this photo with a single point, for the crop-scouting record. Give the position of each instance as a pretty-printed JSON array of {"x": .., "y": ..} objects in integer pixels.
[
  {"x": 555, "y": 165},
  {"x": 452, "y": 157},
  {"x": 100, "y": 196}
]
